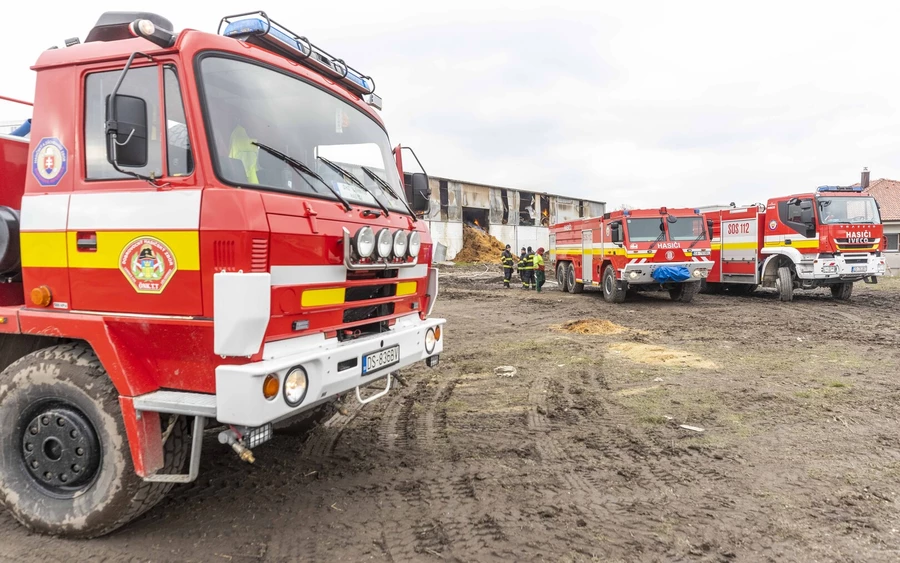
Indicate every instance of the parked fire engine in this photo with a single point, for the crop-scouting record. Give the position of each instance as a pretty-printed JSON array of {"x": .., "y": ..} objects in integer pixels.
[
  {"x": 638, "y": 250},
  {"x": 212, "y": 228},
  {"x": 828, "y": 238}
]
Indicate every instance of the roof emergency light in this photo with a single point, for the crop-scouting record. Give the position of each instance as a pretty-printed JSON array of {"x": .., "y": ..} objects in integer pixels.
[
  {"x": 259, "y": 29},
  {"x": 857, "y": 189}
]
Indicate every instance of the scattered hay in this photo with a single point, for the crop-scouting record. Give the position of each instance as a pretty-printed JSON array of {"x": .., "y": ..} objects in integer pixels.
[
  {"x": 636, "y": 391},
  {"x": 590, "y": 326},
  {"x": 479, "y": 247},
  {"x": 650, "y": 354}
]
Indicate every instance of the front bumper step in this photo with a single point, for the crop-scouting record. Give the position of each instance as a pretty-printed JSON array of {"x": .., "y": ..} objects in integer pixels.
[{"x": 177, "y": 402}]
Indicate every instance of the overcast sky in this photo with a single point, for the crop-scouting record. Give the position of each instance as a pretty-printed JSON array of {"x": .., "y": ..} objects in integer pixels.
[{"x": 637, "y": 103}]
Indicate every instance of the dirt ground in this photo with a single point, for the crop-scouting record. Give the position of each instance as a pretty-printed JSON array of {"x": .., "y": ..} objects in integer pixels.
[{"x": 580, "y": 455}]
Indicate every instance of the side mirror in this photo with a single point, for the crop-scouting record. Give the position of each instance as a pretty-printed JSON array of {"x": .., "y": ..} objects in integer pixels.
[
  {"x": 709, "y": 227},
  {"x": 670, "y": 219},
  {"x": 793, "y": 201},
  {"x": 805, "y": 204},
  {"x": 421, "y": 192},
  {"x": 615, "y": 233},
  {"x": 126, "y": 131}
]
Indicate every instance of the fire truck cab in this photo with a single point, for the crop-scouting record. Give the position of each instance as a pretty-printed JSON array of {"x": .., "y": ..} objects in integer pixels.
[
  {"x": 638, "y": 250},
  {"x": 829, "y": 238},
  {"x": 200, "y": 229}
]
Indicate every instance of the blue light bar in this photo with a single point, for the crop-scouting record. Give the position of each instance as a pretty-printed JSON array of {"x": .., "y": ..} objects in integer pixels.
[
  {"x": 260, "y": 30},
  {"x": 839, "y": 189}
]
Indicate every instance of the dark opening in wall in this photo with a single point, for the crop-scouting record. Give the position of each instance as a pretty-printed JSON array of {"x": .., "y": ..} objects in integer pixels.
[
  {"x": 445, "y": 200},
  {"x": 504, "y": 197},
  {"x": 545, "y": 210},
  {"x": 476, "y": 216},
  {"x": 526, "y": 203}
]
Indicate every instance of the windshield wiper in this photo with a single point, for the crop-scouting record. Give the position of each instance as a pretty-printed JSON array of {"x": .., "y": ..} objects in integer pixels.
[
  {"x": 661, "y": 236},
  {"x": 300, "y": 167},
  {"x": 356, "y": 182},
  {"x": 387, "y": 187},
  {"x": 700, "y": 237}
]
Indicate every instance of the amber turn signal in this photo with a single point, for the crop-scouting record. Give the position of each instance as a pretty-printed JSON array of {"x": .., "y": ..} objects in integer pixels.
[
  {"x": 270, "y": 386},
  {"x": 437, "y": 332},
  {"x": 41, "y": 296}
]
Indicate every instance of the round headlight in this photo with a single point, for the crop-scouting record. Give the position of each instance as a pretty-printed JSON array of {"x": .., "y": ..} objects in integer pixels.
[
  {"x": 698, "y": 273},
  {"x": 384, "y": 242},
  {"x": 364, "y": 242},
  {"x": 295, "y": 386},
  {"x": 400, "y": 243},
  {"x": 430, "y": 341},
  {"x": 415, "y": 243}
]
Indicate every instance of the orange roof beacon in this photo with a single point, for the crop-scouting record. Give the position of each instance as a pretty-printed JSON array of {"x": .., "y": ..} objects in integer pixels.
[{"x": 214, "y": 228}]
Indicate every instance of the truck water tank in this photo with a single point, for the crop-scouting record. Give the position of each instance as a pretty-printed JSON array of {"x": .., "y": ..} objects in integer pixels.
[{"x": 10, "y": 256}]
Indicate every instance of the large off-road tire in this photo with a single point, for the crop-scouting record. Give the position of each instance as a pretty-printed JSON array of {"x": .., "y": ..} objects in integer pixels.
[
  {"x": 307, "y": 421},
  {"x": 65, "y": 463},
  {"x": 562, "y": 276},
  {"x": 611, "y": 290},
  {"x": 784, "y": 283},
  {"x": 842, "y": 291},
  {"x": 574, "y": 286},
  {"x": 685, "y": 292}
]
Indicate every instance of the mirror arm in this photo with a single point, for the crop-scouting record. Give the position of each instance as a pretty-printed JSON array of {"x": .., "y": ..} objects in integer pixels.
[{"x": 112, "y": 124}]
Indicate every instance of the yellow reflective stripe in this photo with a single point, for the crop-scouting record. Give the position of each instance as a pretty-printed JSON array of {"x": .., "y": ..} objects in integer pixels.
[
  {"x": 185, "y": 246},
  {"x": 742, "y": 245},
  {"x": 406, "y": 288},
  {"x": 795, "y": 244},
  {"x": 43, "y": 250},
  {"x": 320, "y": 297}
]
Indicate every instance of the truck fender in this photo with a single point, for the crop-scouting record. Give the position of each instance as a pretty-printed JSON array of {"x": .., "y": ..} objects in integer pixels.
[{"x": 778, "y": 257}]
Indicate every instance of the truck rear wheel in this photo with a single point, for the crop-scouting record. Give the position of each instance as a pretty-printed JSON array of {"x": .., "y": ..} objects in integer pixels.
[
  {"x": 574, "y": 286},
  {"x": 784, "y": 283},
  {"x": 65, "y": 463},
  {"x": 611, "y": 290},
  {"x": 842, "y": 291},
  {"x": 562, "y": 276},
  {"x": 684, "y": 292}
]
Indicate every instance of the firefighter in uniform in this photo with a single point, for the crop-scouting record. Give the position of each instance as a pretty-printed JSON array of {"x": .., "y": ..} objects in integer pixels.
[
  {"x": 523, "y": 268},
  {"x": 529, "y": 264},
  {"x": 539, "y": 268},
  {"x": 507, "y": 260}
]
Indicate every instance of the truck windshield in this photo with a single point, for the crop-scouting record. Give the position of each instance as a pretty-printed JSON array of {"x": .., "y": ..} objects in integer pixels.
[
  {"x": 246, "y": 104},
  {"x": 836, "y": 210},
  {"x": 643, "y": 230},
  {"x": 686, "y": 228}
]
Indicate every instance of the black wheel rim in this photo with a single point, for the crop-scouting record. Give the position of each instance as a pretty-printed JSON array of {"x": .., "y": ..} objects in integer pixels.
[{"x": 60, "y": 449}]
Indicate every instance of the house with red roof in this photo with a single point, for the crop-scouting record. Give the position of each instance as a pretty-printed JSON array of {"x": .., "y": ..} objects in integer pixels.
[{"x": 887, "y": 194}]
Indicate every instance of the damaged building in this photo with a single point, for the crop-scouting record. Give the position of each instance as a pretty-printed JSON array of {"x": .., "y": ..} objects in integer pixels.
[{"x": 515, "y": 217}]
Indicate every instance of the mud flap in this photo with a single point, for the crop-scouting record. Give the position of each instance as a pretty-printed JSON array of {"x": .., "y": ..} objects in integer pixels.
[
  {"x": 872, "y": 280},
  {"x": 144, "y": 438}
]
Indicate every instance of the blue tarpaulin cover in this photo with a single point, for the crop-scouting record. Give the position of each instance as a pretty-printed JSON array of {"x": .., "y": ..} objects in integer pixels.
[
  {"x": 22, "y": 130},
  {"x": 664, "y": 274}
]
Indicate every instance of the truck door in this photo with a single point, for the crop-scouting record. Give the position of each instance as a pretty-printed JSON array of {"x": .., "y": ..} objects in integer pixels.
[
  {"x": 739, "y": 250},
  {"x": 132, "y": 245},
  {"x": 587, "y": 256}
]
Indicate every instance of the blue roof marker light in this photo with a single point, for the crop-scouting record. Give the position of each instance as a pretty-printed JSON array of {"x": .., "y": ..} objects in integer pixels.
[
  {"x": 857, "y": 189},
  {"x": 259, "y": 29}
]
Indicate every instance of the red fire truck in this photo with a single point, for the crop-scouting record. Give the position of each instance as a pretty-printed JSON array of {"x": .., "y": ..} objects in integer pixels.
[
  {"x": 213, "y": 229},
  {"x": 830, "y": 238},
  {"x": 638, "y": 250}
]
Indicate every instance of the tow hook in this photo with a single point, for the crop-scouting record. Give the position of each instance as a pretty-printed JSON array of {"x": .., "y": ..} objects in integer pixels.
[{"x": 232, "y": 438}]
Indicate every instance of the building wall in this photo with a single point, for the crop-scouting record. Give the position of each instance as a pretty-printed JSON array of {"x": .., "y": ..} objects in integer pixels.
[
  {"x": 892, "y": 256},
  {"x": 446, "y": 222},
  {"x": 448, "y": 234}
]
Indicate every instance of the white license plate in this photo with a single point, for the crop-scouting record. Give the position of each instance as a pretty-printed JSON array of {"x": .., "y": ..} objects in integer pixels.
[
  {"x": 857, "y": 269},
  {"x": 380, "y": 359}
]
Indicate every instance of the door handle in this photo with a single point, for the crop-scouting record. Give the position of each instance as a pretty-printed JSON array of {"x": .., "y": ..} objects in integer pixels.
[{"x": 86, "y": 241}]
